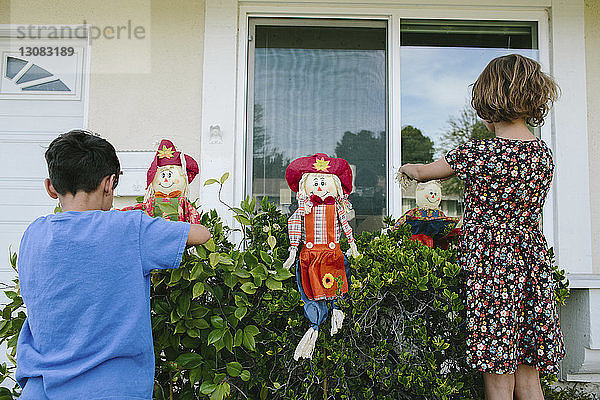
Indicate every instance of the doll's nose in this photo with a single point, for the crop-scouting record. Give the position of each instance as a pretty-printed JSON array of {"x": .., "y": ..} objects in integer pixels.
[
  {"x": 166, "y": 180},
  {"x": 319, "y": 189}
]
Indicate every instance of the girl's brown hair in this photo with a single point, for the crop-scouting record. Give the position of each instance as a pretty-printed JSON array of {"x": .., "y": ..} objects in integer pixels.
[{"x": 513, "y": 87}]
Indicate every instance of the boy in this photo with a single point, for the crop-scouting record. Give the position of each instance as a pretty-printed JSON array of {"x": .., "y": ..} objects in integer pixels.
[{"x": 85, "y": 279}]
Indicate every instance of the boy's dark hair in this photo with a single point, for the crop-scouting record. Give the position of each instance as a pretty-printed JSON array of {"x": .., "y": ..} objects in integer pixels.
[
  {"x": 79, "y": 160},
  {"x": 513, "y": 87}
]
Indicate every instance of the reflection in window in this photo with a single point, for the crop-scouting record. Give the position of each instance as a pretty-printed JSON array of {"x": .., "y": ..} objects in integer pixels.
[
  {"x": 320, "y": 89},
  {"x": 33, "y": 73},
  {"x": 14, "y": 66},
  {"x": 439, "y": 60},
  {"x": 52, "y": 86}
]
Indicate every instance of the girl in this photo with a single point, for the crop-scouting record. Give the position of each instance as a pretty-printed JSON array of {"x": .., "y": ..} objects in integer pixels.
[{"x": 512, "y": 323}]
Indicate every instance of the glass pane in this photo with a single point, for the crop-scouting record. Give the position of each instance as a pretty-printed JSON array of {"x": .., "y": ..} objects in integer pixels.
[
  {"x": 13, "y": 66},
  {"x": 321, "y": 90},
  {"x": 34, "y": 73},
  {"x": 440, "y": 59},
  {"x": 52, "y": 86}
]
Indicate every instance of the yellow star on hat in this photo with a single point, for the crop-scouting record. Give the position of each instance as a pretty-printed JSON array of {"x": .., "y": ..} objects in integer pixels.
[
  {"x": 321, "y": 165},
  {"x": 165, "y": 152}
]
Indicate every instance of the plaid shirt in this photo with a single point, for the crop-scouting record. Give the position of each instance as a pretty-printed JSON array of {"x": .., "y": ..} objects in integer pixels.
[{"x": 296, "y": 230}]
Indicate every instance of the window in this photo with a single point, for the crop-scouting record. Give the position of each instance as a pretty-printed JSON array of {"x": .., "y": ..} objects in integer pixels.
[
  {"x": 319, "y": 87},
  {"x": 439, "y": 60}
]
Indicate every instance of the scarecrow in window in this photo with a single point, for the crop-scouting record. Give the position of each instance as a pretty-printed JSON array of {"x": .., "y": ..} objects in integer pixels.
[
  {"x": 429, "y": 225},
  {"x": 167, "y": 181},
  {"x": 322, "y": 184}
]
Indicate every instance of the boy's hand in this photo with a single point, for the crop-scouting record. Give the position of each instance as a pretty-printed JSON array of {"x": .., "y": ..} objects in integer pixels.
[{"x": 198, "y": 235}]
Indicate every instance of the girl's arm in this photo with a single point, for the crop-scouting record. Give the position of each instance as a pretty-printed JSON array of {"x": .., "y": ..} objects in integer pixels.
[{"x": 426, "y": 172}]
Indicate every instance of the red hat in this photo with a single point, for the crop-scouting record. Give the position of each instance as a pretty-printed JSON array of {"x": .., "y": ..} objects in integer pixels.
[
  {"x": 168, "y": 155},
  {"x": 319, "y": 164}
]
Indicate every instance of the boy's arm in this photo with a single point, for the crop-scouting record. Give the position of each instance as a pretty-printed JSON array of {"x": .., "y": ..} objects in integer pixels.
[{"x": 198, "y": 235}]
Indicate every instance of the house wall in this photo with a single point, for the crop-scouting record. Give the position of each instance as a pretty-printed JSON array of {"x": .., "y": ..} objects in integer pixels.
[
  {"x": 592, "y": 56},
  {"x": 142, "y": 88}
]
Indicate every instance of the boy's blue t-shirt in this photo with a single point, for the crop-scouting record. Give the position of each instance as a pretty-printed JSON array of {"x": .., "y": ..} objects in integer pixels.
[{"x": 85, "y": 280}]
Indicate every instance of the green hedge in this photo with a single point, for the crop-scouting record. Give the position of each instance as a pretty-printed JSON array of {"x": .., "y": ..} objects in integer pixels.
[{"x": 226, "y": 323}]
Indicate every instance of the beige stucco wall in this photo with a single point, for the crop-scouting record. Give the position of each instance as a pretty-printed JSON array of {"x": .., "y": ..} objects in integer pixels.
[
  {"x": 140, "y": 89},
  {"x": 592, "y": 55}
]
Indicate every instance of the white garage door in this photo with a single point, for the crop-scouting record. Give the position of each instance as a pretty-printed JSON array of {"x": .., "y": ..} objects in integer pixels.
[{"x": 43, "y": 92}]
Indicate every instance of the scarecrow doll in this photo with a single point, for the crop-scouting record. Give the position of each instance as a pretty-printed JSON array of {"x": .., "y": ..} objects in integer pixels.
[
  {"x": 322, "y": 184},
  {"x": 167, "y": 181},
  {"x": 429, "y": 225}
]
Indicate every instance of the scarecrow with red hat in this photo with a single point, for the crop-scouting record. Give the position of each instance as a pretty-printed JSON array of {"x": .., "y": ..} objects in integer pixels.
[
  {"x": 167, "y": 181},
  {"x": 322, "y": 184}
]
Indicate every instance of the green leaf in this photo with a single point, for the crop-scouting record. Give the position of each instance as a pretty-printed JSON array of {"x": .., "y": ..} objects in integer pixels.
[
  {"x": 196, "y": 375},
  {"x": 210, "y": 182},
  {"x": 222, "y": 391},
  {"x": 225, "y": 259},
  {"x": 198, "y": 289},
  {"x": 271, "y": 241},
  {"x": 189, "y": 360},
  {"x": 210, "y": 245},
  {"x": 251, "y": 330},
  {"x": 207, "y": 387},
  {"x": 245, "y": 375},
  {"x": 241, "y": 273},
  {"x": 234, "y": 368},
  {"x": 273, "y": 284},
  {"x": 215, "y": 335},
  {"x": 175, "y": 276},
  {"x": 266, "y": 257},
  {"x": 213, "y": 259},
  {"x": 201, "y": 251},
  {"x": 228, "y": 340},
  {"x": 183, "y": 305},
  {"x": 250, "y": 260},
  {"x": 242, "y": 220},
  {"x": 238, "y": 338},
  {"x": 201, "y": 323},
  {"x": 217, "y": 322},
  {"x": 282, "y": 274},
  {"x": 259, "y": 272},
  {"x": 224, "y": 177},
  {"x": 249, "y": 288},
  {"x": 240, "y": 312},
  {"x": 249, "y": 342}
]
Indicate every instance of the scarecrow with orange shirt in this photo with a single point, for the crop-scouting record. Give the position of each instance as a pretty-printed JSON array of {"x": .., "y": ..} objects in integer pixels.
[
  {"x": 167, "y": 181},
  {"x": 322, "y": 184}
]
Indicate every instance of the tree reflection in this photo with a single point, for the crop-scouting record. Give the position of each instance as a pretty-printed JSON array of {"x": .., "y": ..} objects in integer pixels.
[
  {"x": 461, "y": 129},
  {"x": 366, "y": 150}
]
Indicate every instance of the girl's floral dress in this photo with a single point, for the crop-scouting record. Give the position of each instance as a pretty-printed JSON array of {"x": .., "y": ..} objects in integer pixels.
[{"x": 511, "y": 313}]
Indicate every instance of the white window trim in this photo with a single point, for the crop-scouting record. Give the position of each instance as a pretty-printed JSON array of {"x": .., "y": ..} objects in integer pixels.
[{"x": 226, "y": 40}]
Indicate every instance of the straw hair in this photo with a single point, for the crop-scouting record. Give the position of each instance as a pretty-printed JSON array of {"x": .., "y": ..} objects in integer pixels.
[{"x": 513, "y": 87}]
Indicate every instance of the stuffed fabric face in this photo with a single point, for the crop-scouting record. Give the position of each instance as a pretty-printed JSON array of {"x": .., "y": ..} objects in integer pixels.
[
  {"x": 169, "y": 181},
  {"x": 429, "y": 195},
  {"x": 321, "y": 185}
]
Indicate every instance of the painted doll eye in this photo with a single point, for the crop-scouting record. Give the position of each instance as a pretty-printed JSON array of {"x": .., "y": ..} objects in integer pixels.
[{"x": 322, "y": 183}]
